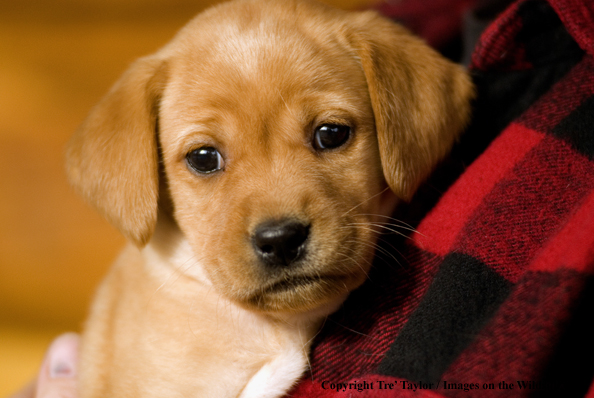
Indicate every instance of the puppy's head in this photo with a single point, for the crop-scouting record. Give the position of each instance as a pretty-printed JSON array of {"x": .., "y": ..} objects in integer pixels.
[{"x": 284, "y": 131}]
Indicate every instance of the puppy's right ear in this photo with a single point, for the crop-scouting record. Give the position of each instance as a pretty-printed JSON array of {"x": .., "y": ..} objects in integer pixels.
[{"x": 112, "y": 160}]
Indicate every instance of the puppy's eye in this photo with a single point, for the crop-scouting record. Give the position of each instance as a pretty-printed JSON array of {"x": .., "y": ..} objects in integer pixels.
[
  {"x": 205, "y": 160},
  {"x": 330, "y": 136}
]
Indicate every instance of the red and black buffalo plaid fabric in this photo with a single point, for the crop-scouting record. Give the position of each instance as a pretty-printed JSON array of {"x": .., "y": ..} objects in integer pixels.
[{"x": 494, "y": 296}]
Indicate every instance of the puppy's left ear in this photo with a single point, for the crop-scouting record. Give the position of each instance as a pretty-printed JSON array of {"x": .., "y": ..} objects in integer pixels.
[
  {"x": 112, "y": 160},
  {"x": 420, "y": 100}
]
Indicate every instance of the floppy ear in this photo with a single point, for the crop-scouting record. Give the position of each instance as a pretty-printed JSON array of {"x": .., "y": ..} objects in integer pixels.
[
  {"x": 112, "y": 160},
  {"x": 420, "y": 100}
]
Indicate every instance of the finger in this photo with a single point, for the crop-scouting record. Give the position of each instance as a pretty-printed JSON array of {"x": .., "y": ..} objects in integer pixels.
[
  {"x": 27, "y": 392},
  {"x": 58, "y": 374}
]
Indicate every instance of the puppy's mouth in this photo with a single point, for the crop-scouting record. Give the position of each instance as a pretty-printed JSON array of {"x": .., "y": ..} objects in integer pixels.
[
  {"x": 299, "y": 293},
  {"x": 298, "y": 282}
]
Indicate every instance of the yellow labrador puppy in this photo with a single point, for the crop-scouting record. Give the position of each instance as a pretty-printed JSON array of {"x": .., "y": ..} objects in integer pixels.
[{"x": 248, "y": 162}]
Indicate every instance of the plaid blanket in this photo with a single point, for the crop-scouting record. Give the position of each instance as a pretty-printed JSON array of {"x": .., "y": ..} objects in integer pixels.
[{"x": 494, "y": 293}]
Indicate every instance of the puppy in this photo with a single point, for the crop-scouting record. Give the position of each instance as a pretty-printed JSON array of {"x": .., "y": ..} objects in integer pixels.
[{"x": 249, "y": 162}]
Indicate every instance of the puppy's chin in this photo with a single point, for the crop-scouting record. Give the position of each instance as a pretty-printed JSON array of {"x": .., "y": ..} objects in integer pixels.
[{"x": 301, "y": 295}]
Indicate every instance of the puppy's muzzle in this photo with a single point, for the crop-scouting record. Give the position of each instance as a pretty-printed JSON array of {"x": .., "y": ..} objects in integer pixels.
[{"x": 280, "y": 243}]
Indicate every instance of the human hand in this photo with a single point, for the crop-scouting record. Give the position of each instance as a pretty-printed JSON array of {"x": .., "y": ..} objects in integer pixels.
[{"x": 57, "y": 377}]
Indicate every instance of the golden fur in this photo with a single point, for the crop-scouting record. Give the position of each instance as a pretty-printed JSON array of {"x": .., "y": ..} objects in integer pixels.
[{"x": 189, "y": 309}]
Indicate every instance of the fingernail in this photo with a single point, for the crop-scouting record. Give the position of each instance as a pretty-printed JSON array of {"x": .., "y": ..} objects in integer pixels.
[{"x": 63, "y": 356}]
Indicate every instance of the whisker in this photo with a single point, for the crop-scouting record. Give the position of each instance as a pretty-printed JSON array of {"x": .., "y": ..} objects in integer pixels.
[
  {"x": 380, "y": 251},
  {"x": 349, "y": 329},
  {"x": 358, "y": 265},
  {"x": 354, "y": 251},
  {"x": 397, "y": 251},
  {"x": 378, "y": 248},
  {"x": 397, "y": 224},
  {"x": 383, "y": 226},
  {"x": 389, "y": 218},
  {"x": 403, "y": 226},
  {"x": 305, "y": 350},
  {"x": 366, "y": 200}
]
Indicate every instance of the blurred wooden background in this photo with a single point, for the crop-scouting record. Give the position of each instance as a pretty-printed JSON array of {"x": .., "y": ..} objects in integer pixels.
[{"x": 57, "y": 58}]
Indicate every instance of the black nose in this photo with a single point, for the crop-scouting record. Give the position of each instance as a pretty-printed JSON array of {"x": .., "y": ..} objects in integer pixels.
[{"x": 280, "y": 243}]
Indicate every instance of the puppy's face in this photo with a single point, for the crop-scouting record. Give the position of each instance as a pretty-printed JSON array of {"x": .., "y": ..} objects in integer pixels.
[
  {"x": 285, "y": 130},
  {"x": 273, "y": 165}
]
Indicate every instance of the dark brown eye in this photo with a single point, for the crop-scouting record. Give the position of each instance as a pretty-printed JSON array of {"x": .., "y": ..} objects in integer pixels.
[
  {"x": 205, "y": 160},
  {"x": 330, "y": 136}
]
